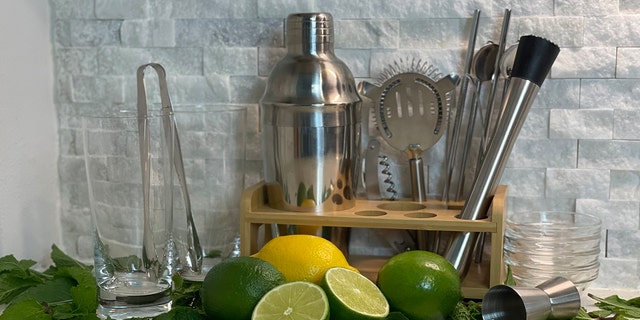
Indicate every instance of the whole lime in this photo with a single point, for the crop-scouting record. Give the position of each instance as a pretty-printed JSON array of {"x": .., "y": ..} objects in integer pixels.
[
  {"x": 232, "y": 288},
  {"x": 422, "y": 285}
]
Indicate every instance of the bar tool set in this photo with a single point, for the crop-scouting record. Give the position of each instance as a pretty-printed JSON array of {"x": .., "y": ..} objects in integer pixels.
[{"x": 329, "y": 147}]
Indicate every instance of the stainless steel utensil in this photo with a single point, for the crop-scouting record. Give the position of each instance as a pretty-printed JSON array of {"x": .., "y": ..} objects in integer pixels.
[
  {"x": 371, "y": 170},
  {"x": 411, "y": 112},
  {"x": 533, "y": 61},
  {"x": 490, "y": 124},
  {"x": 482, "y": 70},
  {"x": 194, "y": 252},
  {"x": 411, "y": 116},
  {"x": 556, "y": 298},
  {"x": 454, "y": 131},
  {"x": 506, "y": 66}
]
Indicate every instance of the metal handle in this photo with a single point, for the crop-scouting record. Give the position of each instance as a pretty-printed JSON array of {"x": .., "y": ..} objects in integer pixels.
[
  {"x": 416, "y": 169},
  {"x": 521, "y": 94}
]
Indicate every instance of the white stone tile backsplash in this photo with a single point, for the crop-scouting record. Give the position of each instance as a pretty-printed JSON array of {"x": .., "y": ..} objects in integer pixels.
[{"x": 579, "y": 148}]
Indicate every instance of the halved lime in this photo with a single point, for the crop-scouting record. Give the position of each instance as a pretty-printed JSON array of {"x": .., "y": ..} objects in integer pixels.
[
  {"x": 353, "y": 296},
  {"x": 298, "y": 300}
]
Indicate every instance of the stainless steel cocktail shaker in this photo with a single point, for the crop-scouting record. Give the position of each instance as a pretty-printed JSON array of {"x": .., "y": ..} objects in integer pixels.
[{"x": 309, "y": 121}]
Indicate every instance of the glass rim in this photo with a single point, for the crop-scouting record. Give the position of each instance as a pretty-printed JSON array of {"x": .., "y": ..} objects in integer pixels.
[
  {"x": 180, "y": 108},
  {"x": 510, "y": 218}
]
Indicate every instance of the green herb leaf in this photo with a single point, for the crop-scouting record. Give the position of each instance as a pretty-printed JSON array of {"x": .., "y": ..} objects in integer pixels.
[
  {"x": 181, "y": 313},
  {"x": 467, "y": 310},
  {"x": 54, "y": 291},
  {"x": 16, "y": 277},
  {"x": 26, "y": 309},
  {"x": 616, "y": 305},
  {"x": 509, "y": 280},
  {"x": 11, "y": 264},
  {"x": 635, "y": 302},
  {"x": 185, "y": 292},
  {"x": 85, "y": 293},
  {"x": 582, "y": 315},
  {"x": 12, "y": 286},
  {"x": 62, "y": 260}
]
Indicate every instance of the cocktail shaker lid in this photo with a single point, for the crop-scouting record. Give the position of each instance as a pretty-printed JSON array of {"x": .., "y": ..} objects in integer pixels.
[{"x": 315, "y": 27}]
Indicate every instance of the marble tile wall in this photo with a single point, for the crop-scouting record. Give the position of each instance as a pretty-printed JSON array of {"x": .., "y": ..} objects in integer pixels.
[{"x": 578, "y": 150}]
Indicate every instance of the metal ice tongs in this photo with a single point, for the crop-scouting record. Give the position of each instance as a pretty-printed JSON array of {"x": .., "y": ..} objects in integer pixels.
[{"x": 194, "y": 250}]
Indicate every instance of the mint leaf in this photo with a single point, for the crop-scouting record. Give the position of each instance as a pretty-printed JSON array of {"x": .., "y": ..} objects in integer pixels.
[
  {"x": 54, "y": 291},
  {"x": 11, "y": 264},
  {"x": 66, "y": 311},
  {"x": 509, "y": 280},
  {"x": 617, "y": 305},
  {"x": 185, "y": 292},
  {"x": 16, "y": 277},
  {"x": 582, "y": 315},
  {"x": 61, "y": 260},
  {"x": 85, "y": 293},
  {"x": 467, "y": 310},
  {"x": 181, "y": 313},
  {"x": 635, "y": 302},
  {"x": 26, "y": 309}
]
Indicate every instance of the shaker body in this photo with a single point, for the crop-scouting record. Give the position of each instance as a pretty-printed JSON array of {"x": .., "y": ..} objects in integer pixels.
[{"x": 309, "y": 122}]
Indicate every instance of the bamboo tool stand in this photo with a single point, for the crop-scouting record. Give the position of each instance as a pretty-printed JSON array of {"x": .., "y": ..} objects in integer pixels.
[{"x": 430, "y": 215}]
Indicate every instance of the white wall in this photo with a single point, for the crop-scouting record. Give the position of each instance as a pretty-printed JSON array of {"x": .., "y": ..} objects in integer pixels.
[
  {"x": 29, "y": 214},
  {"x": 578, "y": 149}
]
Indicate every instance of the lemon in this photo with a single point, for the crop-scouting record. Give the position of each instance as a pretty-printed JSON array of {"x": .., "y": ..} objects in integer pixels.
[
  {"x": 422, "y": 285},
  {"x": 298, "y": 300},
  {"x": 353, "y": 296},
  {"x": 302, "y": 257},
  {"x": 232, "y": 288}
]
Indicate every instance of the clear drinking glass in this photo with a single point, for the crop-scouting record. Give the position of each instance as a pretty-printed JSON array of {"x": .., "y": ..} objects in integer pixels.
[
  {"x": 213, "y": 143},
  {"x": 133, "y": 253}
]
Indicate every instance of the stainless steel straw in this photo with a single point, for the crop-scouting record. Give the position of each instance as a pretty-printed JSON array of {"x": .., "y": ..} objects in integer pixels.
[{"x": 452, "y": 143}]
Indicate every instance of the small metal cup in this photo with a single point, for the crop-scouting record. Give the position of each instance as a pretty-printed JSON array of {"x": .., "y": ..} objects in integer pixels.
[{"x": 557, "y": 298}]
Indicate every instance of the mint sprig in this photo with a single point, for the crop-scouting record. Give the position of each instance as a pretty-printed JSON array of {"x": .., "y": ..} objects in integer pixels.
[{"x": 67, "y": 290}]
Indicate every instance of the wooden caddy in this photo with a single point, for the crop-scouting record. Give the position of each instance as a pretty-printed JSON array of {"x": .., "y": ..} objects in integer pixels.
[{"x": 430, "y": 215}]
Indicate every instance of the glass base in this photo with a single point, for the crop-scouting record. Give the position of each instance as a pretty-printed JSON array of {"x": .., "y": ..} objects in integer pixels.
[
  {"x": 134, "y": 299},
  {"x": 132, "y": 311},
  {"x": 207, "y": 264}
]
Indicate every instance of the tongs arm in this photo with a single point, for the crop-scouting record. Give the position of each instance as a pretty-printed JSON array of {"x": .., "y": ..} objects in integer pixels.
[{"x": 195, "y": 252}]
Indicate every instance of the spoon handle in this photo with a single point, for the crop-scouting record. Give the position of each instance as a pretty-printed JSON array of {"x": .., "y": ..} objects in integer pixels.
[
  {"x": 491, "y": 124},
  {"x": 452, "y": 143}
]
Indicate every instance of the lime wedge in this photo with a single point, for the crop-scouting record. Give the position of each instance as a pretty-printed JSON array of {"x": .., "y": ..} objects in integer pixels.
[
  {"x": 298, "y": 300},
  {"x": 353, "y": 296}
]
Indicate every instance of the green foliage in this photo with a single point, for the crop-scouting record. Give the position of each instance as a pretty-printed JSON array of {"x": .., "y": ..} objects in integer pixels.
[
  {"x": 467, "y": 310},
  {"x": 66, "y": 290}
]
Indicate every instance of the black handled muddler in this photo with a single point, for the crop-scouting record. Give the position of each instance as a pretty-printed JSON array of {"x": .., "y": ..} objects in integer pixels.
[{"x": 532, "y": 63}]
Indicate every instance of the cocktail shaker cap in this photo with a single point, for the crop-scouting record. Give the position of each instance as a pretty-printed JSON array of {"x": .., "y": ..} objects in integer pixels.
[
  {"x": 310, "y": 86},
  {"x": 304, "y": 28}
]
